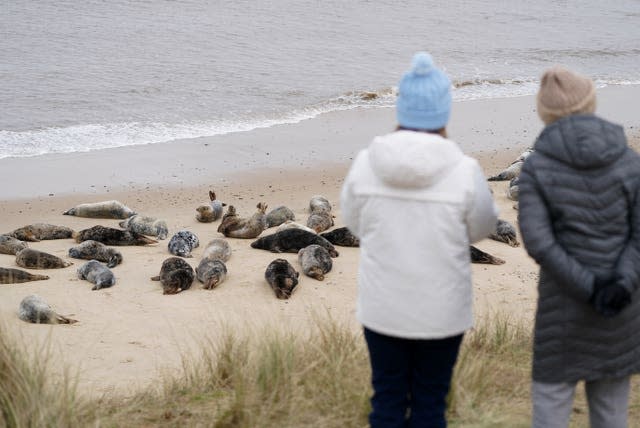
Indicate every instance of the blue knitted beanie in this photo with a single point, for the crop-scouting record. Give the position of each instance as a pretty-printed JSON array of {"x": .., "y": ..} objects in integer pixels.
[{"x": 424, "y": 95}]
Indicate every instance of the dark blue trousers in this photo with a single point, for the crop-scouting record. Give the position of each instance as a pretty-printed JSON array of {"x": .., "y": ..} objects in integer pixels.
[{"x": 411, "y": 379}]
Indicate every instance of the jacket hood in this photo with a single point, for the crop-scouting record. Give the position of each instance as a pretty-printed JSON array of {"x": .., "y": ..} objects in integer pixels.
[
  {"x": 410, "y": 159},
  {"x": 582, "y": 141}
]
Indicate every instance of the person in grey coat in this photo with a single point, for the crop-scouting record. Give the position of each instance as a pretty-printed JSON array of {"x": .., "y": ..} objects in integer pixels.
[{"x": 579, "y": 217}]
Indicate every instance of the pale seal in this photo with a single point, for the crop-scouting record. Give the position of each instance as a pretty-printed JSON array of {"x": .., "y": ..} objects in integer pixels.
[
  {"x": 41, "y": 231},
  {"x": 315, "y": 261},
  {"x": 319, "y": 203},
  {"x": 514, "y": 169},
  {"x": 111, "y": 236},
  {"x": 217, "y": 249},
  {"x": 341, "y": 236},
  {"x": 175, "y": 276},
  {"x": 479, "y": 256},
  {"x": 98, "y": 274},
  {"x": 212, "y": 211},
  {"x": 16, "y": 276},
  {"x": 293, "y": 225},
  {"x": 232, "y": 226},
  {"x": 279, "y": 215},
  {"x": 35, "y": 259},
  {"x": 320, "y": 221},
  {"x": 90, "y": 250},
  {"x": 105, "y": 209},
  {"x": 34, "y": 309},
  {"x": 505, "y": 232},
  {"x": 514, "y": 189},
  {"x": 282, "y": 278},
  {"x": 11, "y": 245},
  {"x": 182, "y": 243},
  {"x": 292, "y": 241},
  {"x": 211, "y": 273},
  {"x": 146, "y": 226}
]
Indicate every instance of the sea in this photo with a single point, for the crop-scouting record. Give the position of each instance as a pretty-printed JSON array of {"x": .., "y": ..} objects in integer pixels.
[{"x": 93, "y": 74}]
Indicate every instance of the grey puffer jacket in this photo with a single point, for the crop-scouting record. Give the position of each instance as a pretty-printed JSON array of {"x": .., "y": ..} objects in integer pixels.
[{"x": 579, "y": 217}]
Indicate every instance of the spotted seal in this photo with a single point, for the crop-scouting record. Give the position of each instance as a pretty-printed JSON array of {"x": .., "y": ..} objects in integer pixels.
[
  {"x": 41, "y": 231},
  {"x": 315, "y": 261},
  {"x": 233, "y": 226},
  {"x": 94, "y": 250},
  {"x": 34, "y": 309},
  {"x": 292, "y": 241},
  {"x": 16, "y": 276},
  {"x": 111, "y": 236},
  {"x": 35, "y": 259},
  {"x": 98, "y": 274},
  {"x": 514, "y": 169},
  {"x": 479, "y": 256},
  {"x": 182, "y": 243},
  {"x": 212, "y": 211},
  {"x": 175, "y": 276},
  {"x": 217, "y": 249},
  {"x": 105, "y": 209},
  {"x": 319, "y": 203},
  {"x": 282, "y": 277},
  {"x": 505, "y": 232},
  {"x": 341, "y": 236},
  {"x": 279, "y": 215},
  {"x": 320, "y": 221},
  {"x": 11, "y": 245},
  {"x": 146, "y": 225}
]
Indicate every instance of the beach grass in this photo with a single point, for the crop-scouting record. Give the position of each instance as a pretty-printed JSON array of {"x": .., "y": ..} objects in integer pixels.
[{"x": 275, "y": 378}]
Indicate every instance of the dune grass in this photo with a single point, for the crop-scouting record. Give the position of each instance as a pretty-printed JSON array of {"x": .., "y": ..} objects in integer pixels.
[{"x": 274, "y": 378}]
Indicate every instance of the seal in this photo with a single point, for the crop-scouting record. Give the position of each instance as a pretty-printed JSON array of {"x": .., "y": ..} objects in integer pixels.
[
  {"x": 513, "y": 189},
  {"x": 211, "y": 273},
  {"x": 320, "y": 221},
  {"x": 315, "y": 261},
  {"x": 11, "y": 245},
  {"x": 505, "y": 232},
  {"x": 282, "y": 278},
  {"x": 16, "y": 276},
  {"x": 34, "y": 309},
  {"x": 35, "y": 259},
  {"x": 98, "y": 274},
  {"x": 146, "y": 226},
  {"x": 232, "y": 226},
  {"x": 479, "y": 256},
  {"x": 105, "y": 209},
  {"x": 182, "y": 243},
  {"x": 293, "y": 225},
  {"x": 341, "y": 236},
  {"x": 111, "y": 236},
  {"x": 175, "y": 276},
  {"x": 94, "y": 250},
  {"x": 41, "y": 231},
  {"x": 319, "y": 203},
  {"x": 279, "y": 215},
  {"x": 217, "y": 249},
  {"x": 292, "y": 241},
  {"x": 514, "y": 169},
  {"x": 212, "y": 211}
]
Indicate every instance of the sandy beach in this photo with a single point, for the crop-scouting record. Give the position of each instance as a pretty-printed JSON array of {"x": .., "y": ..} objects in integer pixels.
[{"x": 129, "y": 334}]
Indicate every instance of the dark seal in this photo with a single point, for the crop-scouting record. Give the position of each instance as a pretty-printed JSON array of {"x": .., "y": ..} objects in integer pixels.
[
  {"x": 175, "y": 276},
  {"x": 292, "y": 241},
  {"x": 282, "y": 278}
]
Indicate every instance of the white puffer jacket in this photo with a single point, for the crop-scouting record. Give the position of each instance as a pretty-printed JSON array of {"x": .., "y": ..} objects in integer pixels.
[{"x": 416, "y": 202}]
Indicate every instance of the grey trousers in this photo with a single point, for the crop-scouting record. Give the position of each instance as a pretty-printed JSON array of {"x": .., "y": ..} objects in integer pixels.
[{"x": 608, "y": 401}]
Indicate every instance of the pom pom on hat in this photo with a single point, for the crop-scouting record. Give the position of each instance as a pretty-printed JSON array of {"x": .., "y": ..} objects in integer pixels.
[
  {"x": 424, "y": 95},
  {"x": 563, "y": 93}
]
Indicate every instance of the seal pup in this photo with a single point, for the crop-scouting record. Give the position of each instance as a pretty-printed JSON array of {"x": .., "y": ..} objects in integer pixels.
[
  {"x": 505, "y": 232},
  {"x": 41, "y": 231},
  {"x": 211, "y": 273},
  {"x": 111, "y": 236},
  {"x": 98, "y": 274},
  {"x": 319, "y": 203},
  {"x": 11, "y": 245},
  {"x": 513, "y": 189},
  {"x": 341, "y": 236},
  {"x": 292, "y": 224},
  {"x": 182, "y": 243},
  {"x": 315, "y": 261},
  {"x": 320, "y": 221},
  {"x": 105, "y": 209},
  {"x": 232, "y": 226},
  {"x": 514, "y": 169},
  {"x": 279, "y": 215},
  {"x": 292, "y": 241},
  {"x": 282, "y": 278},
  {"x": 146, "y": 226},
  {"x": 35, "y": 259},
  {"x": 212, "y": 211},
  {"x": 217, "y": 249},
  {"x": 94, "y": 250},
  {"x": 175, "y": 276},
  {"x": 479, "y": 256},
  {"x": 16, "y": 276},
  {"x": 34, "y": 309}
]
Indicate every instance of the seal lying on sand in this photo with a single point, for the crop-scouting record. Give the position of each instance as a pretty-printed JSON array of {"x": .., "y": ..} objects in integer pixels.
[
  {"x": 279, "y": 215},
  {"x": 182, "y": 243},
  {"x": 211, "y": 273},
  {"x": 293, "y": 225},
  {"x": 146, "y": 226},
  {"x": 233, "y": 226},
  {"x": 176, "y": 275},
  {"x": 16, "y": 276},
  {"x": 342, "y": 236},
  {"x": 41, "y": 231},
  {"x": 315, "y": 261},
  {"x": 319, "y": 203},
  {"x": 513, "y": 189},
  {"x": 514, "y": 169},
  {"x": 292, "y": 241},
  {"x": 505, "y": 232},
  {"x": 320, "y": 221},
  {"x": 111, "y": 236},
  {"x": 35, "y": 259},
  {"x": 11, "y": 245},
  {"x": 97, "y": 273},
  {"x": 94, "y": 250},
  {"x": 212, "y": 211},
  {"x": 217, "y": 249},
  {"x": 106, "y": 209},
  {"x": 282, "y": 278},
  {"x": 479, "y": 256},
  {"x": 34, "y": 309}
]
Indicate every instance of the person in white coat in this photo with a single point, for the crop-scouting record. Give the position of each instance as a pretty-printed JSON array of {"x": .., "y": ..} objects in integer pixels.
[{"x": 416, "y": 202}]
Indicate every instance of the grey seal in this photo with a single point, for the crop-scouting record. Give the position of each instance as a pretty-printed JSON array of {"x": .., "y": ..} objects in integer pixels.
[
  {"x": 11, "y": 245},
  {"x": 16, "y": 276},
  {"x": 111, "y": 236},
  {"x": 341, "y": 236},
  {"x": 89, "y": 250},
  {"x": 319, "y": 203},
  {"x": 35, "y": 259},
  {"x": 98, "y": 274},
  {"x": 293, "y": 225},
  {"x": 514, "y": 169},
  {"x": 315, "y": 261},
  {"x": 233, "y": 226},
  {"x": 212, "y": 211},
  {"x": 41, "y": 231},
  {"x": 279, "y": 215},
  {"x": 505, "y": 232},
  {"x": 182, "y": 243},
  {"x": 513, "y": 191},
  {"x": 146, "y": 225},
  {"x": 217, "y": 249},
  {"x": 320, "y": 221},
  {"x": 175, "y": 276},
  {"x": 211, "y": 273},
  {"x": 105, "y": 209},
  {"x": 282, "y": 278},
  {"x": 34, "y": 309},
  {"x": 292, "y": 241}
]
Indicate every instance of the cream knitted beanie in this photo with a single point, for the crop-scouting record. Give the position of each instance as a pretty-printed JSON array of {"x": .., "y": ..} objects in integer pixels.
[{"x": 563, "y": 93}]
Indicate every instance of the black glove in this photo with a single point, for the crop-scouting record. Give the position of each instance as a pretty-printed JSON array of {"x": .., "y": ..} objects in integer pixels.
[{"x": 610, "y": 299}]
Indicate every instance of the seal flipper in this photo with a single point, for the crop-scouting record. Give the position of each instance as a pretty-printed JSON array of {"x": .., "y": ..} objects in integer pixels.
[{"x": 479, "y": 256}]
